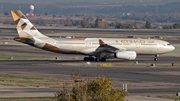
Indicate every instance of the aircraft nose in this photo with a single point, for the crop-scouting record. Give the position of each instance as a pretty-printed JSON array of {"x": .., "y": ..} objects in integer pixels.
[{"x": 171, "y": 48}]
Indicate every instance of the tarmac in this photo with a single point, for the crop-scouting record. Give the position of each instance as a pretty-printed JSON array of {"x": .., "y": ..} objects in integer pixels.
[{"x": 144, "y": 81}]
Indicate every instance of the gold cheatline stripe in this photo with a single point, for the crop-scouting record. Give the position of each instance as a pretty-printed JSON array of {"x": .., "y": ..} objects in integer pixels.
[{"x": 51, "y": 48}]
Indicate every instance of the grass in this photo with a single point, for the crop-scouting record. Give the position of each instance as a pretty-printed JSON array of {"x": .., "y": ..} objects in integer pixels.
[
  {"x": 29, "y": 99},
  {"x": 30, "y": 81},
  {"x": 144, "y": 65},
  {"x": 168, "y": 97},
  {"x": 175, "y": 99},
  {"x": 31, "y": 57},
  {"x": 22, "y": 57}
]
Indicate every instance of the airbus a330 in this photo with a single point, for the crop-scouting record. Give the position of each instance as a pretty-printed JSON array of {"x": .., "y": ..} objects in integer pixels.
[{"x": 95, "y": 49}]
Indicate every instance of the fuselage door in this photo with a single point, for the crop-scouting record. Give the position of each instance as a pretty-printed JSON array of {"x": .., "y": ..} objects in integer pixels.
[
  {"x": 137, "y": 45},
  {"x": 88, "y": 44},
  {"x": 161, "y": 45}
]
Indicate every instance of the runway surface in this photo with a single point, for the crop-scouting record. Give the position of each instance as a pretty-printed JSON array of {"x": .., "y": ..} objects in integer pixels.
[
  {"x": 140, "y": 80},
  {"x": 11, "y": 32},
  {"x": 104, "y": 31}
]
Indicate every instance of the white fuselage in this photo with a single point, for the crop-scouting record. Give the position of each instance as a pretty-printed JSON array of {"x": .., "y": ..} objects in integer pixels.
[
  {"x": 98, "y": 49},
  {"x": 89, "y": 45}
]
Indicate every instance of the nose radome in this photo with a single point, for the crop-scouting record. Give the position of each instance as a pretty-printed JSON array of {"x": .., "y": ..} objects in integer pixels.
[{"x": 172, "y": 48}]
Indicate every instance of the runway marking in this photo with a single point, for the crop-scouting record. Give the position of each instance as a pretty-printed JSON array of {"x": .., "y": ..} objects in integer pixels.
[{"x": 106, "y": 64}]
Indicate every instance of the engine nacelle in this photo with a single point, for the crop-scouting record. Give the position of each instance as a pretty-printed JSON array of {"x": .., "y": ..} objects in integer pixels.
[{"x": 129, "y": 55}]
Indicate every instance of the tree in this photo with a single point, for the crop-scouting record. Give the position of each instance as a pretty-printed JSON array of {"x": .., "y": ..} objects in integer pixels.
[
  {"x": 99, "y": 23},
  {"x": 100, "y": 89},
  {"x": 84, "y": 24},
  {"x": 129, "y": 25},
  {"x": 148, "y": 25},
  {"x": 137, "y": 26},
  {"x": 176, "y": 25},
  {"x": 68, "y": 22},
  {"x": 6, "y": 13},
  {"x": 167, "y": 27},
  {"x": 120, "y": 25},
  {"x": 46, "y": 14},
  {"x": 54, "y": 16}
]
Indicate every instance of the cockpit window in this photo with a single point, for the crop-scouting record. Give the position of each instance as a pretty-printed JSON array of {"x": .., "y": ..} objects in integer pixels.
[{"x": 168, "y": 44}]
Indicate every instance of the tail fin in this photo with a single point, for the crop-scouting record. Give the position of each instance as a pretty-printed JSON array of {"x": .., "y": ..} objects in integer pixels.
[
  {"x": 29, "y": 34},
  {"x": 24, "y": 27}
]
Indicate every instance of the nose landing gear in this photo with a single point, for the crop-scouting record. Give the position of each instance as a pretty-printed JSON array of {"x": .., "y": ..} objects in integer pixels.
[{"x": 156, "y": 57}]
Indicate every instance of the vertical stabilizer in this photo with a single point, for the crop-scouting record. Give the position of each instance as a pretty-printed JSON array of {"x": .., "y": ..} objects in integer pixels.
[
  {"x": 28, "y": 34},
  {"x": 24, "y": 27}
]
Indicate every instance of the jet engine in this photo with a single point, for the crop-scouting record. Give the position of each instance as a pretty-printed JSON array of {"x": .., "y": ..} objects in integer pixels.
[{"x": 129, "y": 55}]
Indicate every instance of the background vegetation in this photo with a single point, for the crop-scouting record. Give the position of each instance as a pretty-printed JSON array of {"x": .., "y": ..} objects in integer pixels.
[
  {"x": 121, "y": 15},
  {"x": 100, "y": 89}
]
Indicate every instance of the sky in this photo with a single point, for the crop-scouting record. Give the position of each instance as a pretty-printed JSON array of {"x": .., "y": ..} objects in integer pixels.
[
  {"x": 28, "y": 1},
  {"x": 101, "y": 1},
  {"x": 79, "y": 6},
  {"x": 52, "y": 1}
]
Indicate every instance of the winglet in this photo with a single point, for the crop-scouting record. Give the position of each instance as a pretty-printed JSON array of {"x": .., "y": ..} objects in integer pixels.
[{"x": 101, "y": 42}]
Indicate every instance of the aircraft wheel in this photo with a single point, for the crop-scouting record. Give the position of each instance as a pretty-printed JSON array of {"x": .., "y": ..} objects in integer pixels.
[
  {"x": 91, "y": 58},
  {"x": 86, "y": 59},
  {"x": 97, "y": 59},
  {"x": 155, "y": 59},
  {"x": 103, "y": 59}
]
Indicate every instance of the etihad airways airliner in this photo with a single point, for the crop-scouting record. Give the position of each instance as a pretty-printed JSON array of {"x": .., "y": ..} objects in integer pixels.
[{"x": 95, "y": 49}]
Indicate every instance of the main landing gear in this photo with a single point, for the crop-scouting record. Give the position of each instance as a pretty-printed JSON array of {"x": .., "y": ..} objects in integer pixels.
[
  {"x": 89, "y": 59},
  {"x": 94, "y": 59},
  {"x": 102, "y": 59},
  {"x": 156, "y": 57}
]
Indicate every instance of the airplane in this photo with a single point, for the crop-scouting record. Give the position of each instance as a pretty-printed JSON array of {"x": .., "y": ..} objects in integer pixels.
[{"x": 95, "y": 49}]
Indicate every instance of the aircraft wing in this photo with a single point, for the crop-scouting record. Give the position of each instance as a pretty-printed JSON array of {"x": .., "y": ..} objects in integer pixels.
[{"x": 107, "y": 48}]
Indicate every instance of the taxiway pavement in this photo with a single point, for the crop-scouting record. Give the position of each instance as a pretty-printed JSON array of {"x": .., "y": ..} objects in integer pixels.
[{"x": 140, "y": 80}]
